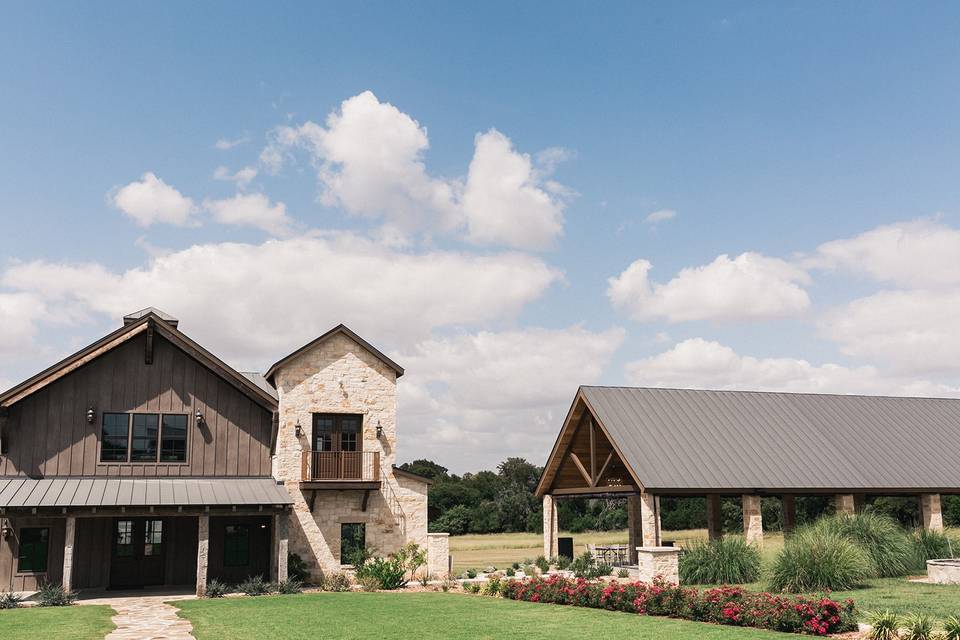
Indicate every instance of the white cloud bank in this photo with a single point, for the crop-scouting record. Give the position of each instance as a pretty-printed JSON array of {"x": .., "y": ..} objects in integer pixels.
[
  {"x": 252, "y": 210},
  {"x": 241, "y": 177},
  {"x": 150, "y": 201},
  {"x": 748, "y": 287}
]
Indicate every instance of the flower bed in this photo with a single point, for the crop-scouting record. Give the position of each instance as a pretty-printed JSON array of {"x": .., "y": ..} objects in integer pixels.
[{"x": 723, "y": 605}]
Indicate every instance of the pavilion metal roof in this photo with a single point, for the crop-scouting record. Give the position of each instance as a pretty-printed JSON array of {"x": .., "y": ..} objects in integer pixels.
[{"x": 686, "y": 440}]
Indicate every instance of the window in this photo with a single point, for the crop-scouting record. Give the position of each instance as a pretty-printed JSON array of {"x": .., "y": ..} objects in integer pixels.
[
  {"x": 143, "y": 444},
  {"x": 236, "y": 545},
  {"x": 349, "y": 429},
  {"x": 114, "y": 437},
  {"x": 32, "y": 557},
  {"x": 322, "y": 432},
  {"x": 153, "y": 538},
  {"x": 353, "y": 542},
  {"x": 173, "y": 439},
  {"x": 123, "y": 538},
  {"x": 337, "y": 432}
]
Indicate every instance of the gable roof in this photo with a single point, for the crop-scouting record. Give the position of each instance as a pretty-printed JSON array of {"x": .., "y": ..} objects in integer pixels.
[
  {"x": 339, "y": 329},
  {"x": 689, "y": 440},
  {"x": 149, "y": 321}
]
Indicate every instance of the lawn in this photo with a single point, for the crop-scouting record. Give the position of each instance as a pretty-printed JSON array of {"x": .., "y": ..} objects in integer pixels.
[
  {"x": 429, "y": 616},
  {"x": 77, "y": 622}
]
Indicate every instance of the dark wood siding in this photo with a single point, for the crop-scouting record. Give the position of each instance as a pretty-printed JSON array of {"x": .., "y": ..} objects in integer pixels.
[
  {"x": 49, "y": 434},
  {"x": 10, "y": 578},
  {"x": 260, "y": 549},
  {"x": 91, "y": 553}
]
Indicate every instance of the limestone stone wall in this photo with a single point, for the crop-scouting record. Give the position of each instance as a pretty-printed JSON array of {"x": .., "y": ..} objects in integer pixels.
[
  {"x": 340, "y": 376},
  {"x": 438, "y": 555},
  {"x": 658, "y": 561}
]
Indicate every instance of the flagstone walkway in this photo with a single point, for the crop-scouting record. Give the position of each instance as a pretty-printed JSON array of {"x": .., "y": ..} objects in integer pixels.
[{"x": 146, "y": 618}]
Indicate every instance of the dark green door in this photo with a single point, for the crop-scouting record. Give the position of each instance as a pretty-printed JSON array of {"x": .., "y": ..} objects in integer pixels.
[{"x": 137, "y": 552}]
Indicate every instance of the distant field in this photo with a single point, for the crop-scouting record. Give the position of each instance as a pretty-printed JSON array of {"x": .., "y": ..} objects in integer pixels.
[{"x": 503, "y": 549}]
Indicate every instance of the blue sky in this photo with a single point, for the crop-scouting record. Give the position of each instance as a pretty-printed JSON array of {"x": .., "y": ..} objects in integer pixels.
[{"x": 488, "y": 170}]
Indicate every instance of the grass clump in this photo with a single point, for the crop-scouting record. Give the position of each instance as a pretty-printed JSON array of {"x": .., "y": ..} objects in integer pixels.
[
  {"x": 216, "y": 589},
  {"x": 882, "y": 537},
  {"x": 930, "y": 545},
  {"x": 9, "y": 600},
  {"x": 951, "y": 628},
  {"x": 817, "y": 560},
  {"x": 289, "y": 586},
  {"x": 54, "y": 595},
  {"x": 254, "y": 586},
  {"x": 728, "y": 560},
  {"x": 919, "y": 627},
  {"x": 884, "y": 625}
]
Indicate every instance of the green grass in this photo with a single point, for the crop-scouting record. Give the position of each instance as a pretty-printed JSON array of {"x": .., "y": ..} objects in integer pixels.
[
  {"x": 430, "y": 616},
  {"x": 902, "y": 597},
  {"x": 77, "y": 622}
]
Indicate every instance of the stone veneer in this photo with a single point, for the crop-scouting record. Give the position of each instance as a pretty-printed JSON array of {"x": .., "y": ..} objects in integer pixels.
[
  {"x": 752, "y": 519},
  {"x": 438, "y": 555},
  {"x": 658, "y": 561},
  {"x": 339, "y": 375},
  {"x": 931, "y": 512}
]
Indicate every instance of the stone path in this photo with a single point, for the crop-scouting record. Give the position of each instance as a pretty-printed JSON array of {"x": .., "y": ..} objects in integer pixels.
[{"x": 146, "y": 618}]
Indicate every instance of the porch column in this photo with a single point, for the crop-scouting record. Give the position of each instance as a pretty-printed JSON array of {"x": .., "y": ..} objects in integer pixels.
[
  {"x": 69, "y": 541},
  {"x": 930, "y": 512},
  {"x": 789, "y": 503},
  {"x": 844, "y": 504},
  {"x": 203, "y": 552},
  {"x": 752, "y": 520},
  {"x": 280, "y": 546},
  {"x": 634, "y": 527},
  {"x": 650, "y": 519},
  {"x": 551, "y": 529},
  {"x": 859, "y": 502},
  {"x": 714, "y": 521}
]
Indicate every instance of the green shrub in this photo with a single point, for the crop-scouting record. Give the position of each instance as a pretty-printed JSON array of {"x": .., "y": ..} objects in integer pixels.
[
  {"x": 815, "y": 560},
  {"x": 887, "y": 544},
  {"x": 543, "y": 564},
  {"x": 425, "y": 578},
  {"x": 10, "y": 600},
  {"x": 493, "y": 586},
  {"x": 216, "y": 589},
  {"x": 297, "y": 568},
  {"x": 337, "y": 582},
  {"x": 951, "y": 628},
  {"x": 511, "y": 572},
  {"x": 623, "y": 573},
  {"x": 515, "y": 565},
  {"x": 254, "y": 586},
  {"x": 930, "y": 545},
  {"x": 585, "y": 567},
  {"x": 410, "y": 557},
  {"x": 54, "y": 595},
  {"x": 368, "y": 583},
  {"x": 562, "y": 562},
  {"x": 530, "y": 569},
  {"x": 289, "y": 586},
  {"x": 389, "y": 573},
  {"x": 727, "y": 560},
  {"x": 471, "y": 573},
  {"x": 919, "y": 627},
  {"x": 884, "y": 625}
]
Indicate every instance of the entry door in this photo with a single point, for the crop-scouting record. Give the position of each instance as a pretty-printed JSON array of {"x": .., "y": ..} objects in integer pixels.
[
  {"x": 137, "y": 552},
  {"x": 338, "y": 440}
]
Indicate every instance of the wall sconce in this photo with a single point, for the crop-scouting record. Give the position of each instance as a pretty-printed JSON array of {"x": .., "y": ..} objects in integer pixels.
[
  {"x": 6, "y": 531},
  {"x": 91, "y": 414},
  {"x": 297, "y": 429},
  {"x": 379, "y": 430},
  {"x": 199, "y": 416}
]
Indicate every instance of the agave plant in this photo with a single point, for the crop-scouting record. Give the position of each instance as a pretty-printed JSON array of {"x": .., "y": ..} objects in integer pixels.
[
  {"x": 919, "y": 627},
  {"x": 884, "y": 625},
  {"x": 951, "y": 628}
]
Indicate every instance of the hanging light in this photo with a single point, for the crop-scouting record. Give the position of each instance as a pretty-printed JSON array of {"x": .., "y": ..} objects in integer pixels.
[{"x": 199, "y": 417}]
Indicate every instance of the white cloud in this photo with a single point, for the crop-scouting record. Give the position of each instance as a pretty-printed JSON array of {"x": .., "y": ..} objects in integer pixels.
[
  {"x": 369, "y": 157},
  {"x": 661, "y": 215},
  {"x": 254, "y": 303},
  {"x": 493, "y": 394},
  {"x": 241, "y": 178},
  {"x": 152, "y": 201},
  {"x": 748, "y": 287},
  {"x": 699, "y": 363},
  {"x": 19, "y": 316},
  {"x": 225, "y": 144},
  {"x": 504, "y": 202},
  {"x": 252, "y": 210},
  {"x": 919, "y": 253}
]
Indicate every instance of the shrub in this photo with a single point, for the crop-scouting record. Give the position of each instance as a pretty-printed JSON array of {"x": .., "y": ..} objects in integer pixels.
[
  {"x": 254, "y": 586},
  {"x": 543, "y": 564},
  {"x": 368, "y": 582},
  {"x": 9, "y": 600},
  {"x": 336, "y": 582},
  {"x": 216, "y": 589},
  {"x": 389, "y": 573},
  {"x": 471, "y": 573},
  {"x": 951, "y": 628},
  {"x": 425, "y": 578},
  {"x": 884, "y": 625},
  {"x": 562, "y": 562},
  {"x": 585, "y": 567},
  {"x": 411, "y": 557},
  {"x": 515, "y": 565},
  {"x": 511, "y": 572},
  {"x": 530, "y": 569},
  {"x": 623, "y": 573},
  {"x": 289, "y": 586},
  {"x": 297, "y": 568},
  {"x": 493, "y": 586},
  {"x": 929, "y": 545},
  {"x": 814, "y": 560},
  {"x": 727, "y": 560},
  {"x": 879, "y": 535},
  {"x": 919, "y": 627},
  {"x": 54, "y": 595}
]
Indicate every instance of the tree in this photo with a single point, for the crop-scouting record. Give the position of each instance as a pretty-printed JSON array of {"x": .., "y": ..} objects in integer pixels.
[
  {"x": 427, "y": 469},
  {"x": 520, "y": 472}
]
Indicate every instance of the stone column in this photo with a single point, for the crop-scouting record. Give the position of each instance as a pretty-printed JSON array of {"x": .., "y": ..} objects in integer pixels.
[
  {"x": 203, "y": 553},
  {"x": 280, "y": 546},
  {"x": 930, "y": 512},
  {"x": 659, "y": 561},
  {"x": 714, "y": 520},
  {"x": 789, "y": 503},
  {"x": 845, "y": 504},
  {"x": 69, "y": 542},
  {"x": 438, "y": 555},
  {"x": 634, "y": 527},
  {"x": 752, "y": 520},
  {"x": 650, "y": 519},
  {"x": 550, "y": 527}
]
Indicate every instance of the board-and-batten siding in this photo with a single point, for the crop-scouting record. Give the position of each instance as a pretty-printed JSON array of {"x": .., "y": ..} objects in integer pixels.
[{"x": 49, "y": 434}]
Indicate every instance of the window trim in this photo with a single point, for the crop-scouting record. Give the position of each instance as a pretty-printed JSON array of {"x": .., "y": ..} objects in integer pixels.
[
  {"x": 157, "y": 461},
  {"x": 336, "y": 432},
  {"x": 46, "y": 561}
]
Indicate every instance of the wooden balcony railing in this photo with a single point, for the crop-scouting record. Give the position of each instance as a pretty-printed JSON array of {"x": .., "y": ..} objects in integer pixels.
[{"x": 341, "y": 466}]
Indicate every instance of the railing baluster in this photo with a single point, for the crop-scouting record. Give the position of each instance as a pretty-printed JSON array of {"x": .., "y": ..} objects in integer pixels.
[{"x": 341, "y": 465}]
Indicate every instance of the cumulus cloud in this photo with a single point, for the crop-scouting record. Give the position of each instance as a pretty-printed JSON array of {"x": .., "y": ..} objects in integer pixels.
[
  {"x": 660, "y": 215},
  {"x": 748, "y": 287},
  {"x": 255, "y": 302},
  {"x": 241, "y": 178},
  {"x": 150, "y": 201},
  {"x": 19, "y": 316},
  {"x": 490, "y": 394},
  {"x": 370, "y": 161},
  {"x": 699, "y": 363},
  {"x": 252, "y": 210}
]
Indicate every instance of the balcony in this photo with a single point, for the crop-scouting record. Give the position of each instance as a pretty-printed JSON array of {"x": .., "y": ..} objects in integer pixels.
[{"x": 340, "y": 470}]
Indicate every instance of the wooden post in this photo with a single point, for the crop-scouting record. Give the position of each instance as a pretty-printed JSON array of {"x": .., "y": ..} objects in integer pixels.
[
  {"x": 752, "y": 520},
  {"x": 280, "y": 546},
  {"x": 203, "y": 552},
  {"x": 69, "y": 543},
  {"x": 789, "y": 512},
  {"x": 550, "y": 527},
  {"x": 714, "y": 520}
]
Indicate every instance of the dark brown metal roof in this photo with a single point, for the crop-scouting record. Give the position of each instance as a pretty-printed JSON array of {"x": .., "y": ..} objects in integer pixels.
[
  {"x": 340, "y": 328},
  {"x": 22, "y": 492},
  {"x": 684, "y": 439}
]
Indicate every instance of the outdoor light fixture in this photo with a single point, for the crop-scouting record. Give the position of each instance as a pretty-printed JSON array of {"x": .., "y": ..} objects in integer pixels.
[
  {"x": 5, "y": 531},
  {"x": 297, "y": 429},
  {"x": 379, "y": 430},
  {"x": 199, "y": 417},
  {"x": 91, "y": 414}
]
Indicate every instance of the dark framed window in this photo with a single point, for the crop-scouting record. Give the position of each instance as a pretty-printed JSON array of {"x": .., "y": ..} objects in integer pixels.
[
  {"x": 173, "y": 438},
  {"x": 236, "y": 545},
  {"x": 337, "y": 432},
  {"x": 322, "y": 432},
  {"x": 123, "y": 538},
  {"x": 349, "y": 432},
  {"x": 114, "y": 437},
  {"x": 143, "y": 443},
  {"x": 353, "y": 542},
  {"x": 32, "y": 555},
  {"x": 153, "y": 537}
]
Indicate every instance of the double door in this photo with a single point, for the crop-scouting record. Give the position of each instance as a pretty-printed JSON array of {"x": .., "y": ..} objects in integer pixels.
[
  {"x": 337, "y": 446},
  {"x": 137, "y": 552}
]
